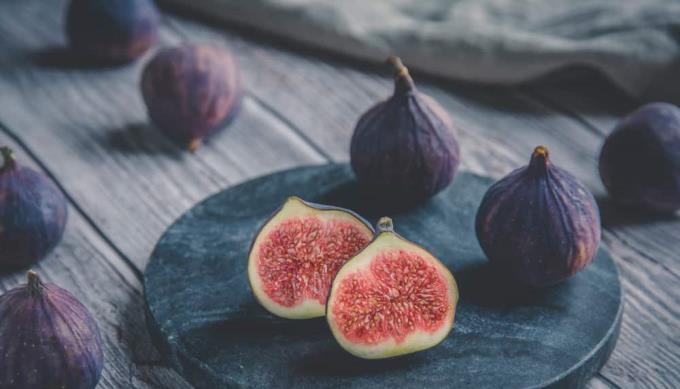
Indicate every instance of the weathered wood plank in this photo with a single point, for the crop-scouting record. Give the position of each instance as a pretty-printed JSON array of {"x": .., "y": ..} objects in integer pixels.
[
  {"x": 599, "y": 382},
  {"x": 320, "y": 99},
  {"x": 499, "y": 129},
  {"x": 645, "y": 241},
  {"x": 585, "y": 96},
  {"x": 492, "y": 119},
  {"x": 86, "y": 266},
  {"x": 90, "y": 127},
  {"x": 647, "y": 250}
]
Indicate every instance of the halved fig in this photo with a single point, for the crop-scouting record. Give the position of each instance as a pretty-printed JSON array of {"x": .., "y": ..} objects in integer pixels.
[
  {"x": 392, "y": 298},
  {"x": 298, "y": 251}
]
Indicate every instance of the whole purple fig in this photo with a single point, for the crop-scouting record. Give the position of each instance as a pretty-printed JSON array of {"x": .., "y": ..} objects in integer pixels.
[
  {"x": 191, "y": 91},
  {"x": 111, "y": 31},
  {"x": 640, "y": 160},
  {"x": 539, "y": 224},
  {"x": 405, "y": 149},
  {"x": 32, "y": 214},
  {"x": 48, "y": 339}
]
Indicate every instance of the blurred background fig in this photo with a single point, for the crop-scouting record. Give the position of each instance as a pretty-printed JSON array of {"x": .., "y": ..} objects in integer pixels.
[
  {"x": 192, "y": 91},
  {"x": 539, "y": 224},
  {"x": 32, "y": 214},
  {"x": 640, "y": 160},
  {"x": 110, "y": 31},
  {"x": 405, "y": 149},
  {"x": 48, "y": 339}
]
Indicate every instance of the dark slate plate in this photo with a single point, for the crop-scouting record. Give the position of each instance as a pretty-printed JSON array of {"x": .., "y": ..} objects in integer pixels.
[{"x": 207, "y": 322}]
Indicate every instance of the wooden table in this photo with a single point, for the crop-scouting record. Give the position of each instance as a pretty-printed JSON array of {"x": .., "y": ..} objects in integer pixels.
[{"x": 125, "y": 183}]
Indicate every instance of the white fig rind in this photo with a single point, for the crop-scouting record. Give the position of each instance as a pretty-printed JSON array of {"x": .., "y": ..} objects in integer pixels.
[
  {"x": 416, "y": 341},
  {"x": 295, "y": 207}
]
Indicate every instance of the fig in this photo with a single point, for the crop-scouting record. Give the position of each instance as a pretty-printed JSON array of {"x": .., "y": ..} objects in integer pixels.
[
  {"x": 392, "y": 298},
  {"x": 539, "y": 224},
  {"x": 32, "y": 214},
  {"x": 297, "y": 252},
  {"x": 191, "y": 91},
  {"x": 640, "y": 160},
  {"x": 48, "y": 339},
  {"x": 111, "y": 31},
  {"x": 404, "y": 149}
]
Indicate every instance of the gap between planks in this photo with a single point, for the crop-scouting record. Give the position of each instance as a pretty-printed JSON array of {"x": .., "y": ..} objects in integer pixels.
[
  {"x": 292, "y": 129},
  {"x": 275, "y": 115},
  {"x": 580, "y": 122},
  {"x": 297, "y": 132},
  {"x": 110, "y": 290},
  {"x": 90, "y": 222},
  {"x": 599, "y": 381},
  {"x": 555, "y": 105}
]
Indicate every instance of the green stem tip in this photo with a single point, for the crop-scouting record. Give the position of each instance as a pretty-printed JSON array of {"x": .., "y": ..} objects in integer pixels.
[
  {"x": 385, "y": 224},
  {"x": 8, "y": 160},
  {"x": 34, "y": 283}
]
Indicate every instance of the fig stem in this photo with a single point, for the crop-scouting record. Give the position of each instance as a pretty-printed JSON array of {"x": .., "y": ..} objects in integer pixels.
[
  {"x": 35, "y": 285},
  {"x": 8, "y": 160},
  {"x": 402, "y": 78},
  {"x": 399, "y": 69},
  {"x": 194, "y": 145},
  {"x": 385, "y": 224},
  {"x": 539, "y": 159},
  {"x": 541, "y": 151}
]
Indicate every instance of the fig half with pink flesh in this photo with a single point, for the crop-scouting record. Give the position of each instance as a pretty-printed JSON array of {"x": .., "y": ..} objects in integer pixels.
[
  {"x": 392, "y": 298},
  {"x": 297, "y": 253}
]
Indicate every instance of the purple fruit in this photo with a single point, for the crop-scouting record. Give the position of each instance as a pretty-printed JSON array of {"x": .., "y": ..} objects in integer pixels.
[
  {"x": 32, "y": 214},
  {"x": 640, "y": 160},
  {"x": 539, "y": 224},
  {"x": 405, "y": 149},
  {"x": 48, "y": 339},
  {"x": 191, "y": 91},
  {"x": 112, "y": 31}
]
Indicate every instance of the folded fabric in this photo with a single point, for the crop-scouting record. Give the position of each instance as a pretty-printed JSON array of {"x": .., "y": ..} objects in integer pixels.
[{"x": 636, "y": 43}]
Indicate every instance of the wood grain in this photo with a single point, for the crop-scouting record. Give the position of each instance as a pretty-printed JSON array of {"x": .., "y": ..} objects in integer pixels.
[
  {"x": 499, "y": 127},
  {"x": 89, "y": 268},
  {"x": 89, "y": 128},
  {"x": 648, "y": 248},
  {"x": 125, "y": 180}
]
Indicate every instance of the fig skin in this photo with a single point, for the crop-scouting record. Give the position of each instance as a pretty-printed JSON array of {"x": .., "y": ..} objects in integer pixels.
[
  {"x": 640, "y": 160},
  {"x": 48, "y": 339},
  {"x": 192, "y": 91},
  {"x": 111, "y": 31},
  {"x": 539, "y": 224},
  {"x": 405, "y": 149},
  {"x": 33, "y": 214}
]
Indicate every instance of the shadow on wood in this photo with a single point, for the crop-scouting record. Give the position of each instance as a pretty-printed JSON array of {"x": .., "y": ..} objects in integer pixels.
[
  {"x": 59, "y": 57},
  {"x": 616, "y": 215},
  {"x": 142, "y": 138}
]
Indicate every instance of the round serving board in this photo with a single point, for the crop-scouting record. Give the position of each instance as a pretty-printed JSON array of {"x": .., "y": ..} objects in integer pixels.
[{"x": 207, "y": 322}]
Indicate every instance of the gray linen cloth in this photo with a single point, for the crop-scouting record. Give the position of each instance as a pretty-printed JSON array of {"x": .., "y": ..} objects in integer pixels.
[{"x": 635, "y": 43}]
